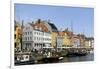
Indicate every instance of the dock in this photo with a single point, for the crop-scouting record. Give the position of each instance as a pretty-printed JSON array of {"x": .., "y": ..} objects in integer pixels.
[{"x": 52, "y": 56}]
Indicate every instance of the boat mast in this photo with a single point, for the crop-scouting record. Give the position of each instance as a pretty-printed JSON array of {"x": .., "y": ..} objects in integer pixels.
[
  {"x": 22, "y": 26},
  {"x": 83, "y": 36},
  {"x": 71, "y": 33}
]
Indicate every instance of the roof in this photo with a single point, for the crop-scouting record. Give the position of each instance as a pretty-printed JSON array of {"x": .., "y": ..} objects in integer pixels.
[
  {"x": 53, "y": 27},
  {"x": 39, "y": 25},
  {"x": 63, "y": 33},
  {"x": 90, "y": 38},
  {"x": 42, "y": 26}
]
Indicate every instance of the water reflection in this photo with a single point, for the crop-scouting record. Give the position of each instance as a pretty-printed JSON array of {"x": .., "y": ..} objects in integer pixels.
[{"x": 89, "y": 57}]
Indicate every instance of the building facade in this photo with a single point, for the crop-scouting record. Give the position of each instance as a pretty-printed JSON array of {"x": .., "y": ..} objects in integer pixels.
[
  {"x": 36, "y": 36},
  {"x": 28, "y": 41},
  {"x": 54, "y": 32},
  {"x": 76, "y": 41},
  {"x": 59, "y": 41},
  {"x": 64, "y": 39},
  {"x": 89, "y": 42},
  {"x": 81, "y": 39},
  {"x": 17, "y": 36}
]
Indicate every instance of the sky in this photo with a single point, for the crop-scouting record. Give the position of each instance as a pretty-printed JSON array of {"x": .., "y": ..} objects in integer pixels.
[{"x": 80, "y": 19}]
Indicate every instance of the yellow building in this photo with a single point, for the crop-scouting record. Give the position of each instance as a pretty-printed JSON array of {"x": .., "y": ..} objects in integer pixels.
[
  {"x": 66, "y": 40},
  {"x": 17, "y": 36},
  {"x": 54, "y": 39},
  {"x": 87, "y": 43}
]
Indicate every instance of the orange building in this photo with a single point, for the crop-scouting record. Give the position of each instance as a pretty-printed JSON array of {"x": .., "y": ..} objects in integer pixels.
[{"x": 17, "y": 36}]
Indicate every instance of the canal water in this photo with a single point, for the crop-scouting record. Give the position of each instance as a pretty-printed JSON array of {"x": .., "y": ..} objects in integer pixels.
[{"x": 89, "y": 57}]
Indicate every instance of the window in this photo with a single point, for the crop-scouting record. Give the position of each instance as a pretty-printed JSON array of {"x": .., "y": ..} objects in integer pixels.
[
  {"x": 26, "y": 38},
  {"x": 26, "y": 57},
  {"x": 14, "y": 36},
  {"x": 26, "y": 33},
  {"x": 34, "y": 32},
  {"x": 30, "y": 38},
  {"x": 40, "y": 33},
  {"x": 39, "y": 38},
  {"x": 30, "y": 32},
  {"x": 34, "y": 38}
]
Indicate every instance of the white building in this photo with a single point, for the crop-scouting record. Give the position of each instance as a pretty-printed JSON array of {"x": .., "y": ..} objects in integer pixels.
[
  {"x": 59, "y": 41},
  {"x": 41, "y": 39},
  {"x": 36, "y": 36},
  {"x": 28, "y": 41},
  {"x": 89, "y": 42}
]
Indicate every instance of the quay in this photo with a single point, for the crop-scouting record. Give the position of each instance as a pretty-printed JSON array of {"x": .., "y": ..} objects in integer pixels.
[{"x": 50, "y": 57}]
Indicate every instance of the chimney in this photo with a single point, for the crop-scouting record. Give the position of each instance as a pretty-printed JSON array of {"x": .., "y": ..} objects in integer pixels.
[{"x": 39, "y": 20}]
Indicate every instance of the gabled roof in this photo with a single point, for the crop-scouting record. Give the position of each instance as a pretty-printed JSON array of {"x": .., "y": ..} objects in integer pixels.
[
  {"x": 90, "y": 38},
  {"x": 53, "y": 27},
  {"x": 39, "y": 25}
]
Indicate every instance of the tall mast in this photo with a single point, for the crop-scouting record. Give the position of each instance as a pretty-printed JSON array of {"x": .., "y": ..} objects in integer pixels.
[
  {"x": 71, "y": 33},
  {"x": 71, "y": 26},
  {"x": 22, "y": 26},
  {"x": 83, "y": 36}
]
